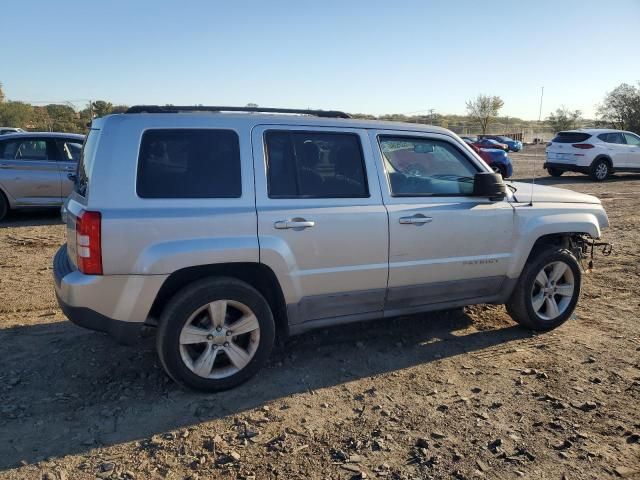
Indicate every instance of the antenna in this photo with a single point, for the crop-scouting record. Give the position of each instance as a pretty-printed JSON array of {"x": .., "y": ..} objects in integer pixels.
[{"x": 533, "y": 177}]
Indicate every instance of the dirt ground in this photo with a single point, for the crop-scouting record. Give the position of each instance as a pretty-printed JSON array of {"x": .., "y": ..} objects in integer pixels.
[{"x": 450, "y": 395}]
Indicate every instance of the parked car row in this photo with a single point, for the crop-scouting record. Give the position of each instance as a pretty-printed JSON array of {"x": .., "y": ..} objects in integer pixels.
[{"x": 494, "y": 154}]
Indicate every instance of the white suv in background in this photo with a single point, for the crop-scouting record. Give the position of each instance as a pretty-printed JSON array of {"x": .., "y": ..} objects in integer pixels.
[{"x": 597, "y": 152}]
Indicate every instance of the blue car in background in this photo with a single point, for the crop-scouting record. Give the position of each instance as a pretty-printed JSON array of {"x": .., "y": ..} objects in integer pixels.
[
  {"x": 496, "y": 158},
  {"x": 514, "y": 145}
]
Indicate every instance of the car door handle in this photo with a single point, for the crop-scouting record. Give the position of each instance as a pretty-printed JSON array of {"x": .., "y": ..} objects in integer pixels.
[
  {"x": 296, "y": 224},
  {"x": 70, "y": 169},
  {"x": 415, "y": 220},
  {"x": 4, "y": 165}
]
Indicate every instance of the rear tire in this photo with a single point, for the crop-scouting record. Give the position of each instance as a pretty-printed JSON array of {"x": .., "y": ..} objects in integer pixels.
[
  {"x": 4, "y": 206},
  {"x": 600, "y": 170},
  {"x": 555, "y": 172},
  {"x": 199, "y": 342},
  {"x": 548, "y": 290}
]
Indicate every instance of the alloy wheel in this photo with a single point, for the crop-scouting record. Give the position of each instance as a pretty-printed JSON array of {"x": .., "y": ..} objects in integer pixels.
[
  {"x": 553, "y": 290},
  {"x": 219, "y": 339}
]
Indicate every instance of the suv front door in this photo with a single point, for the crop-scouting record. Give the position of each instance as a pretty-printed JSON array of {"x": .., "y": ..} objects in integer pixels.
[
  {"x": 632, "y": 155},
  {"x": 445, "y": 245},
  {"x": 322, "y": 226},
  {"x": 30, "y": 170}
]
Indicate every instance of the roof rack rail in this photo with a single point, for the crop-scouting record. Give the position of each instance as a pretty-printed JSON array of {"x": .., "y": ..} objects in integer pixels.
[{"x": 203, "y": 108}]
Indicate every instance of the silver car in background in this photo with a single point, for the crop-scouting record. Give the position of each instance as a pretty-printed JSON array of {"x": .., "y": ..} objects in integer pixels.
[{"x": 35, "y": 168}]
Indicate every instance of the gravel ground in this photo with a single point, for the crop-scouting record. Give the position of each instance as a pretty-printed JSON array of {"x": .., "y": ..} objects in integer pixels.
[{"x": 450, "y": 395}]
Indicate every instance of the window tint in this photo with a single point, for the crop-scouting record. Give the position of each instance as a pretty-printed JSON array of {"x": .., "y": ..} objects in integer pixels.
[
  {"x": 85, "y": 165},
  {"x": 27, "y": 149},
  {"x": 614, "y": 137},
  {"x": 189, "y": 163},
  {"x": 632, "y": 139},
  {"x": 315, "y": 165},
  {"x": 421, "y": 166},
  {"x": 69, "y": 150},
  {"x": 571, "y": 137}
]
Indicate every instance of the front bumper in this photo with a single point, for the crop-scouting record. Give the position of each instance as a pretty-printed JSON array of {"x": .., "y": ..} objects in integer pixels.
[{"x": 114, "y": 304}]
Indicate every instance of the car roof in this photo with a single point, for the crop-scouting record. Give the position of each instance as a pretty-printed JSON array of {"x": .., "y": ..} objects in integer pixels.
[
  {"x": 593, "y": 131},
  {"x": 42, "y": 134},
  {"x": 274, "y": 119}
]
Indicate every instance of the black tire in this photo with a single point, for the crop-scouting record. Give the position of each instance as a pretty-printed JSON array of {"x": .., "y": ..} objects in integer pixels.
[
  {"x": 187, "y": 301},
  {"x": 555, "y": 172},
  {"x": 520, "y": 305},
  {"x": 600, "y": 170},
  {"x": 4, "y": 206}
]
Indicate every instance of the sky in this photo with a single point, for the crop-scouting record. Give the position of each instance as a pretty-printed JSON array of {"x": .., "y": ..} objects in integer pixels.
[{"x": 366, "y": 56}]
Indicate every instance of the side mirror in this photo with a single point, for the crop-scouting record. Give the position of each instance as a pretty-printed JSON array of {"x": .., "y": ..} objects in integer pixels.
[
  {"x": 490, "y": 185},
  {"x": 72, "y": 176}
]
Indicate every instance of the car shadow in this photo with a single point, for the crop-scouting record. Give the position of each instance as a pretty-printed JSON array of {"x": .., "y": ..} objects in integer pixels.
[
  {"x": 65, "y": 390},
  {"x": 31, "y": 218},
  {"x": 577, "y": 179}
]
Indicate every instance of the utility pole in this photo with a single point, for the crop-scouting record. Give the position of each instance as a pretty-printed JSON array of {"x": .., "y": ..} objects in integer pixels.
[{"x": 540, "y": 112}]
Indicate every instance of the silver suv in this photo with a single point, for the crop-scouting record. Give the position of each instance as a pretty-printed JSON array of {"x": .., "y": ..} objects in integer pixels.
[
  {"x": 35, "y": 169},
  {"x": 227, "y": 230}
]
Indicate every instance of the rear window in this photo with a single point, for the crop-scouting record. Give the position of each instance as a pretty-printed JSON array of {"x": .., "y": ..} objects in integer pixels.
[
  {"x": 571, "y": 137},
  {"x": 85, "y": 165},
  {"x": 189, "y": 163}
]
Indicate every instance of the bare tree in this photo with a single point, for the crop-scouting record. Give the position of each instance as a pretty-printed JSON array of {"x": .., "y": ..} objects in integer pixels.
[
  {"x": 564, "y": 119},
  {"x": 484, "y": 109}
]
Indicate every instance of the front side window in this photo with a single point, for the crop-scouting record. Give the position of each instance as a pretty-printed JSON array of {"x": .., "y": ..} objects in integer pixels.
[
  {"x": 632, "y": 139},
  {"x": 423, "y": 167},
  {"x": 189, "y": 163},
  {"x": 28, "y": 149},
  {"x": 314, "y": 165}
]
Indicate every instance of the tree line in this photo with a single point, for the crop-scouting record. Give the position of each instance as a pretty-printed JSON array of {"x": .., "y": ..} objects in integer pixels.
[{"x": 620, "y": 109}]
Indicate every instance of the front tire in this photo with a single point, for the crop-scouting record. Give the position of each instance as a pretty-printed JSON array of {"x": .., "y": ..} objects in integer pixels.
[
  {"x": 4, "y": 206},
  {"x": 555, "y": 172},
  {"x": 600, "y": 170},
  {"x": 548, "y": 290},
  {"x": 215, "y": 334}
]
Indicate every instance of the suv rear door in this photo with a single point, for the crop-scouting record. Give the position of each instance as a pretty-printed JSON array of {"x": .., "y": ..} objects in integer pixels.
[
  {"x": 444, "y": 244},
  {"x": 29, "y": 170},
  {"x": 322, "y": 226}
]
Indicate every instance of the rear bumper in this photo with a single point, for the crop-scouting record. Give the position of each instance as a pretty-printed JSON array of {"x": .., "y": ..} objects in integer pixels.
[
  {"x": 566, "y": 167},
  {"x": 114, "y": 304}
]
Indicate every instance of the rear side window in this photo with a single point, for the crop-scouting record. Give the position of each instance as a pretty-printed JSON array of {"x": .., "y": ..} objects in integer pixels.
[
  {"x": 189, "y": 163},
  {"x": 571, "y": 137},
  {"x": 85, "y": 165},
  {"x": 315, "y": 165},
  {"x": 614, "y": 137}
]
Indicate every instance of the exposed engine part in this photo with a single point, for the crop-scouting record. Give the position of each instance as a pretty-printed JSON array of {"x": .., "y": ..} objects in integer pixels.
[{"x": 582, "y": 247}]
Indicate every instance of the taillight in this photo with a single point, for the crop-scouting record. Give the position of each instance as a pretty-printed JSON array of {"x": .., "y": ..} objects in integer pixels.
[
  {"x": 582, "y": 146},
  {"x": 88, "y": 243}
]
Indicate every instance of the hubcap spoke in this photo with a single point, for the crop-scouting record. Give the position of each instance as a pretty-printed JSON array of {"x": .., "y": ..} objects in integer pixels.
[
  {"x": 566, "y": 290},
  {"x": 218, "y": 312},
  {"x": 204, "y": 364},
  {"x": 552, "y": 308},
  {"x": 247, "y": 323},
  {"x": 558, "y": 271},
  {"x": 191, "y": 335},
  {"x": 237, "y": 356},
  {"x": 538, "y": 301},
  {"x": 542, "y": 279}
]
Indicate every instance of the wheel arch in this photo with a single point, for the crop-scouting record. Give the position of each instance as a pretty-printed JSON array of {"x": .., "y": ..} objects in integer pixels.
[
  {"x": 603, "y": 156},
  {"x": 258, "y": 275}
]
